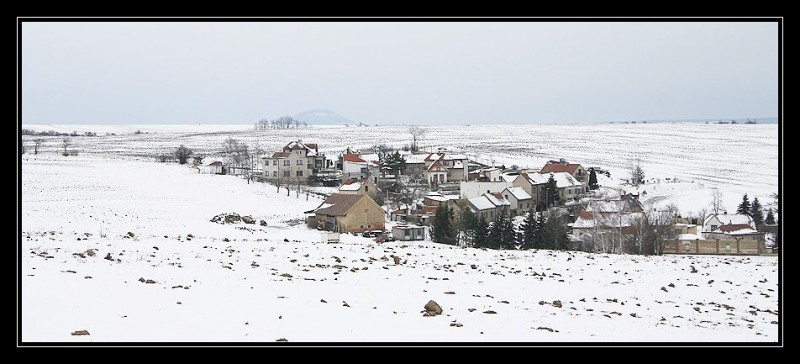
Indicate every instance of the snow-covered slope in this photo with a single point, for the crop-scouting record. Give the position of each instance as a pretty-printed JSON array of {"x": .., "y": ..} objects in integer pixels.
[{"x": 262, "y": 283}]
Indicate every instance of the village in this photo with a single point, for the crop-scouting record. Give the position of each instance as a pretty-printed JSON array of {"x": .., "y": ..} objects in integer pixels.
[{"x": 409, "y": 194}]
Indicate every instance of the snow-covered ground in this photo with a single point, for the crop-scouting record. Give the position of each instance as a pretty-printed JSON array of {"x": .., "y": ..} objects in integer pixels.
[{"x": 241, "y": 282}]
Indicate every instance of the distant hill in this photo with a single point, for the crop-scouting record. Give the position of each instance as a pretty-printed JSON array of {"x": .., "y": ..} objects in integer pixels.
[{"x": 322, "y": 117}]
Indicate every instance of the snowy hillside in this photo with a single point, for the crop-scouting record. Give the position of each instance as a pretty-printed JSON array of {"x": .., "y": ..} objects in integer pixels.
[{"x": 94, "y": 224}]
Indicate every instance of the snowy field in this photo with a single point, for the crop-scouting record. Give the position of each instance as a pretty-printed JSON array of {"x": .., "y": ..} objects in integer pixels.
[
  {"x": 202, "y": 281},
  {"x": 696, "y": 158}
]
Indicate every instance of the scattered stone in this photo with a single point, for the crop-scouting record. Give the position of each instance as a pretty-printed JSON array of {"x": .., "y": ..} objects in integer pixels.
[
  {"x": 473, "y": 266},
  {"x": 285, "y": 240},
  {"x": 344, "y": 303},
  {"x": 79, "y": 255},
  {"x": 449, "y": 292},
  {"x": 149, "y": 281},
  {"x": 432, "y": 308},
  {"x": 248, "y": 220},
  {"x": 471, "y": 309},
  {"x": 262, "y": 223},
  {"x": 490, "y": 312},
  {"x": 323, "y": 301},
  {"x": 226, "y": 240},
  {"x": 456, "y": 324},
  {"x": 664, "y": 289},
  {"x": 396, "y": 259},
  {"x": 282, "y": 339},
  {"x": 286, "y": 275},
  {"x": 557, "y": 304},
  {"x": 80, "y": 332},
  {"x": 671, "y": 285},
  {"x": 141, "y": 279},
  {"x": 546, "y": 328}
]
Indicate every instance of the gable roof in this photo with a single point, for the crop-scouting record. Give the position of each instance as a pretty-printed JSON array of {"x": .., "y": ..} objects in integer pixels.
[
  {"x": 731, "y": 219},
  {"x": 352, "y": 158},
  {"x": 497, "y": 199},
  {"x": 338, "y": 204},
  {"x": 311, "y": 148},
  {"x": 435, "y": 165},
  {"x": 518, "y": 192},
  {"x": 353, "y": 186},
  {"x": 481, "y": 203},
  {"x": 556, "y": 166},
  {"x": 734, "y": 227},
  {"x": 277, "y": 155},
  {"x": 215, "y": 163},
  {"x": 564, "y": 180}
]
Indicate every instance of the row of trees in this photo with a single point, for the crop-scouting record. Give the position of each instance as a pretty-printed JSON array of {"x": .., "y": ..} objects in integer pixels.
[
  {"x": 283, "y": 122},
  {"x": 64, "y": 145},
  {"x": 546, "y": 230},
  {"x": 755, "y": 210}
]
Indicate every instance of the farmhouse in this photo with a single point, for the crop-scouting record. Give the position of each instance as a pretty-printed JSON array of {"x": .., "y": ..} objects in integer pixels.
[
  {"x": 347, "y": 213},
  {"x": 408, "y": 232}
]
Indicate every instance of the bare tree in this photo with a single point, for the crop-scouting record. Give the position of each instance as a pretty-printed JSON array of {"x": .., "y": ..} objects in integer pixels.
[
  {"x": 183, "y": 153},
  {"x": 637, "y": 174},
  {"x": 65, "y": 143},
  {"x": 22, "y": 147},
  {"x": 417, "y": 133},
  {"x": 236, "y": 152},
  {"x": 37, "y": 143},
  {"x": 197, "y": 159},
  {"x": 716, "y": 201},
  {"x": 659, "y": 229}
]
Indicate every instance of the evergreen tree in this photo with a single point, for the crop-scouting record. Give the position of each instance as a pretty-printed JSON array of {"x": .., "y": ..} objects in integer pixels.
[
  {"x": 554, "y": 232},
  {"x": 480, "y": 237},
  {"x": 757, "y": 212},
  {"x": 538, "y": 240},
  {"x": 529, "y": 229},
  {"x": 443, "y": 230},
  {"x": 550, "y": 192},
  {"x": 502, "y": 234},
  {"x": 770, "y": 220},
  {"x": 394, "y": 161},
  {"x": 467, "y": 224},
  {"x": 744, "y": 207},
  {"x": 592, "y": 179}
]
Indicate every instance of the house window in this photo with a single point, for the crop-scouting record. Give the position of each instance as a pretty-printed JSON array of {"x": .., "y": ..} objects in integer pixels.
[
  {"x": 287, "y": 162},
  {"x": 299, "y": 173},
  {"x": 299, "y": 152},
  {"x": 275, "y": 162},
  {"x": 366, "y": 188},
  {"x": 363, "y": 170},
  {"x": 299, "y": 162},
  {"x": 713, "y": 227},
  {"x": 274, "y": 173},
  {"x": 287, "y": 173}
]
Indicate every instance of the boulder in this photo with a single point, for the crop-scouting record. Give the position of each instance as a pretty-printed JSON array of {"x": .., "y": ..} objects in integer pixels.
[
  {"x": 248, "y": 220},
  {"x": 432, "y": 308},
  {"x": 80, "y": 332}
]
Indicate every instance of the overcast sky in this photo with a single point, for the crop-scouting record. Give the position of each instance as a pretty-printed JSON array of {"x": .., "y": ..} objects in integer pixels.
[{"x": 423, "y": 73}]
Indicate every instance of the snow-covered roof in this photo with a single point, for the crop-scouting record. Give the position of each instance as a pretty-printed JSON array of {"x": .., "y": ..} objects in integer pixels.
[
  {"x": 497, "y": 199},
  {"x": 370, "y": 157},
  {"x": 508, "y": 177},
  {"x": 311, "y": 149},
  {"x": 690, "y": 237},
  {"x": 743, "y": 232},
  {"x": 731, "y": 219},
  {"x": 564, "y": 180},
  {"x": 481, "y": 203},
  {"x": 535, "y": 178},
  {"x": 455, "y": 157},
  {"x": 415, "y": 158},
  {"x": 438, "y": 198},
  {"x": 355, "y": 186},
  {"x": 518, "y": 192}
]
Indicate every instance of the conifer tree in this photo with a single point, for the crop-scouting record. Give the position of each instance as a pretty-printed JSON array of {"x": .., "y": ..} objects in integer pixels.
[
  {"x": 757, "y": 212},
  {"x": 744, "y": 206}
]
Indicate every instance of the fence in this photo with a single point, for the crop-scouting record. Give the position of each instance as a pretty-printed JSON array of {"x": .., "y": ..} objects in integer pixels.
[{"x": 715, "y": 246}]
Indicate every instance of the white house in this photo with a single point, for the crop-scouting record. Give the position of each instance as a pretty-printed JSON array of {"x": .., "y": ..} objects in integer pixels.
[
  {"x": 297, "y": 161},
  {"x": 489, "y": 205},
  {"x": 353, "y": 166},
  {"x": 474, "y": 188},
  {"x": 521, "y": 201}
]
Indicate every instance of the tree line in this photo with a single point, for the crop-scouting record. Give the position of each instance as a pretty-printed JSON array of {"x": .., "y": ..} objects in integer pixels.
[
  {"x": 546, "y": 230},
  {"x": 283, "y": 122}
]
